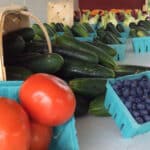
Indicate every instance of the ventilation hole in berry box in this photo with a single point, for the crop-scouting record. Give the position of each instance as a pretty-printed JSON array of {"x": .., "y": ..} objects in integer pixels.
[
  {"x": 139, "y": 50},
  {"x": 115, "y": 116},
  {"x": 146, "y": 48},
  {"x": 122, "y": 126},
  {"x": 118, "y": 58},
  {"x": 109, "y": 106}
]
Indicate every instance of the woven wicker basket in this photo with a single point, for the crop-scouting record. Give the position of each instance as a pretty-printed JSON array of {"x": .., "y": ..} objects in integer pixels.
[{"x": 13, "y": 18}]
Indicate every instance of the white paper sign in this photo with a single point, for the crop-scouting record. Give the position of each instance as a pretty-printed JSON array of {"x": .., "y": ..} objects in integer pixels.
[{"x": 61, "y": 11}]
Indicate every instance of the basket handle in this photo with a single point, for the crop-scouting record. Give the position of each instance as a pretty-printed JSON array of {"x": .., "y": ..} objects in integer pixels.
[{"x": 26, "y": 13}]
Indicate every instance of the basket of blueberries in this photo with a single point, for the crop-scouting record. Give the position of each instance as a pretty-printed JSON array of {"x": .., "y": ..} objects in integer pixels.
[{"x": 128, "y": 101}]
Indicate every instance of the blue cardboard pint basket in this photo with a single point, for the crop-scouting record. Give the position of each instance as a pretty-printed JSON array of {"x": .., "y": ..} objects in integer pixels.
[
  {"x": 141, "y": 44},
  {"x": 64, "y": 136},
  {"x": 121, "y": 51},
  {"x": 123, "y": 119}
]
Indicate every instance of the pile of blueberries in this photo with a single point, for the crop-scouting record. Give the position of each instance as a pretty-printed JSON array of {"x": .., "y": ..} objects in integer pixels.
[{"x": 135, "y": 94}]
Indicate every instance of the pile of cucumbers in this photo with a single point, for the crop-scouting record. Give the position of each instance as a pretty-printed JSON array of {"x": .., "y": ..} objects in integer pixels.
[
  {"x": 110, "y": 35},
  {"x": 54, "y": 29},
  {"x": 84, "y": 66}
]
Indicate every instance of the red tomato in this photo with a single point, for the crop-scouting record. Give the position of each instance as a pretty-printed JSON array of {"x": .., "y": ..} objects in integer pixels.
[
  {"x": 14, "y": 126},
  {"x": 41, "y": 136},
  {"x": 48, "y": 99}
]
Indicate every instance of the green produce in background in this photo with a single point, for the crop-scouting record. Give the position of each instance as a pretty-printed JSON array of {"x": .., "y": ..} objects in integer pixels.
[
  {"x": 110, "y": 51},
  {"x": 79, "y": 30},
  {"x": 67, "y": 30},
  {"x": 37, "y": 30},
  {"x": 88, "y": 27},
  {"x": 120, "y": 27},
  {"x": 97, "y": 108},
  {"x": 110, "y": 27}
]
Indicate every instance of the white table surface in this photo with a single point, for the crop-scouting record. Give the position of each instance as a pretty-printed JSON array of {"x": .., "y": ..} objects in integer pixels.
[{"x": 101, "y": 133}]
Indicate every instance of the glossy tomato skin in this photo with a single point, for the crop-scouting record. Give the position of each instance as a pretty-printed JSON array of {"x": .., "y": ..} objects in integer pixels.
[
  {"x": 48, "y": 99},
  {"x": 41, "y": 136},
  {"x": 14, "y": 126}
]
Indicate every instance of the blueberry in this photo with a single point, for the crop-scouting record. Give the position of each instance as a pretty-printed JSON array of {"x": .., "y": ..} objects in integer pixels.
[
  {"x": 134, "y": 106},
  {"x": 135, "y": 113},
  {"x": 147, "y": 107},
  {"x": 146, "y": 90},
  {"x": 133, "y": 92},
  {"x": 143, "y": 112},
  {"x": 119, "y": 93},
  {"x": 139, "y": 91},
  {"x": 133, "y": 83},
  {"x": 119, "y": 83},
  {"x": 115, "y": 87},
  {"x": 146, "y": 118},
  {"x": 140, "y": 106},
  {"x": 139, "y": 120},
  {"x": 147, "y": 100},
  {"x": 144, "y": 78},
  {"x": 131, "y": 98},
  {"x": 148, "y": 84},
  {"x": 142, "y": 84},
  {"x": 137, "y": 100},
  {"x": 125, "y": 92},
  {"x": 126, "y": 83},
  {"x": 128, "y": 104}
]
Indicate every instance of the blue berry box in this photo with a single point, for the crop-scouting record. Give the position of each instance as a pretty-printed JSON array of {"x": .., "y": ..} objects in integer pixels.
[{"x": 128, "y": 101}]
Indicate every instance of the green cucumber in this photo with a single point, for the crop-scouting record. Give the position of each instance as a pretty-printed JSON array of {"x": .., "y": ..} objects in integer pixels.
[
  {"x": 59, "y": 27},
  {"x": 122, "y": 70},
  {"x": 37, "y": 30},
  {"x": 13, "y": 45},
  {"x": 79, "y": 30},
  {"x": 26, "y": 33},
  {"x": 111, "y": 38},
  {"x": 36, "y": 46},
  {"x": 78, "y": 54},
  {"x": 106, "y": 48},
  {"x": 67, "y": 30},
  {"x": 110, "y": 27},
  {"x": 17, "y": 73},
  {"x": 49, "y": 30},
  {"x": 88, "y": 86},
  {"x": 45, "y": 63},
  {"x": 120, "y": 27},
  {"x": 71, "y": 43},
  {"x": 74, "y": 68},
  {"x": 20, "y": 59},
  {"x": 88, "y": 27},
  {"x": 97, "y": 108}
]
